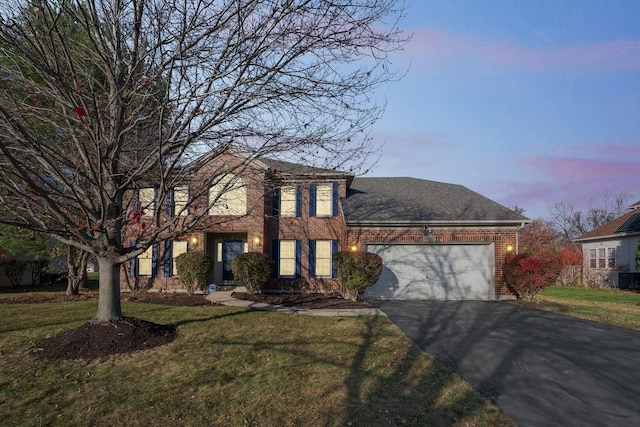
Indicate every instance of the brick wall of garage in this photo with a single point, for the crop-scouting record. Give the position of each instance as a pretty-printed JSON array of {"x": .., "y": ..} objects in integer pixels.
[{"x": 358, "y": 237}]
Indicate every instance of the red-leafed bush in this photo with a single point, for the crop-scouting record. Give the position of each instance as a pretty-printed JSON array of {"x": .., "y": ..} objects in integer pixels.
[{"x": 527, "y": 274}]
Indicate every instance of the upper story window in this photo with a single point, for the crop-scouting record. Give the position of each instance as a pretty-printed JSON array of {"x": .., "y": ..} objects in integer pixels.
[
  {"x": 287, "y": 201},
  {"x": 180, "y": 200},
  {"x": 228, "y": 196},
  {"x": 323, "y": 199},
  {"x": 147, "y": 200}
]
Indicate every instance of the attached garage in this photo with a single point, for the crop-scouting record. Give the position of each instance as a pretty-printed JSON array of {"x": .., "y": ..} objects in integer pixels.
[{"x": 426, "y": 271}]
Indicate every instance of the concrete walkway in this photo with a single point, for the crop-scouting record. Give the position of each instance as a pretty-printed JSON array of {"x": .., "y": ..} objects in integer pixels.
[{"x": 225, "y": 298}]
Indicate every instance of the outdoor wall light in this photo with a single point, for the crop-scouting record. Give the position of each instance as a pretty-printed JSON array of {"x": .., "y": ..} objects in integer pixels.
[
  {"x": 509, "y": 248},
  {"x": 194, "y": 240},
  {"x": 256, "y": 240},
  {"x": 353, "y": 248}
]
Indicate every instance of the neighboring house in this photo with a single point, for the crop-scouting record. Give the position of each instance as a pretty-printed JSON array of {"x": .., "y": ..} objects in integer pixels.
[
  {"x": 610, "y": 252},
  {"x": 437, "y": 241}
]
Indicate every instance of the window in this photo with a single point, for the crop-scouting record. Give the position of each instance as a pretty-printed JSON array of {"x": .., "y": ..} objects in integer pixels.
[
  {"x": 323, "y": 258},
  {"x": 323, "y": 199},
  {"x": 146, "y": 199},
  {"x": 286, "y": 254},
  {"x": 145, "y": 262},
  {"x": 611, "y": 258},
  {"x": 177, "y": 248},
  {"x": 602, "y": 261},
  {"x": 228, "y": 197},
  {"x": 288, "y": 200},
  {"x": 180, "y": 200},
  {"x": 593, "y": 258},
  {"x": 287, "y": 262}
]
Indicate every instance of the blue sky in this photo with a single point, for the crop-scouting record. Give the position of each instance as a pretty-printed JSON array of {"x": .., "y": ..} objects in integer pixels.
[{"x": 527, "y": 103}]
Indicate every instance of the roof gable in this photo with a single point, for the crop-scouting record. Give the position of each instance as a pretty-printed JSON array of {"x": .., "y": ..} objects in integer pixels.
[{"x": 411, "y": 200}]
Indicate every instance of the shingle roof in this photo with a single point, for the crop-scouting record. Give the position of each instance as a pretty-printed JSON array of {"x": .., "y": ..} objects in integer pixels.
[
  {"x": 281, "y": 167},
  {"x": 627, "y": 223},
  {"x": 411, "y": 200}
]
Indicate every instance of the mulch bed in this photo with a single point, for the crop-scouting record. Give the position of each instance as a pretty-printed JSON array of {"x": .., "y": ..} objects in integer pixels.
[{"x": 94, "y": 340}]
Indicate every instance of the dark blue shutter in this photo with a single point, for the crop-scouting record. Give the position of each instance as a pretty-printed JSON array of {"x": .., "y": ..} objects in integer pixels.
[
  {"x": 298, "y": 258},
  {"x": 132, "y": 263},
  {"x": 298, "y": 200},
  {"x": 312, "y": 199},
  {"x": 334, "y": 199},
  {"x": 168, "y": 258},
  {"x": 275, "y": 254},
  {"x": 312, "y": 259},
  {"x": 276, "y": 202},
  {"x": 169, "y": 208},
  {"x": 154, "y": 259},
  {"x": 334, "y": 250}
]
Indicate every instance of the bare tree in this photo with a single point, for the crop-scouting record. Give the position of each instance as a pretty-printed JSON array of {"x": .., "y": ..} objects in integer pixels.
[
  {"x": 573, "y": 222},
  {"x": 102, "y": 97}
]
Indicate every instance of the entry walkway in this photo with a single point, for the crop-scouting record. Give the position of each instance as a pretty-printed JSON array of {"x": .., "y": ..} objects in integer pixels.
[{"x": 225, "y": 298}]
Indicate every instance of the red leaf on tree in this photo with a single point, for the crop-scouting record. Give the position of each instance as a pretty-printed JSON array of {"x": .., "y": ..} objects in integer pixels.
[{"x": 80, "y": 112}]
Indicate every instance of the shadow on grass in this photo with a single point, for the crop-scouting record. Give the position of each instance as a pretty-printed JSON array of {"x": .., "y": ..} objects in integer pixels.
[{"x": 410, "y": 394}]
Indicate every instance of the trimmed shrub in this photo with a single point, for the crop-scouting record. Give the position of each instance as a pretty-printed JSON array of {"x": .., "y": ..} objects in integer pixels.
[
  {"x": 193, "y": 269},
  {"x": 254, "y": 269},
  {"x": 527, "y": 274},
  {"x": 358, "y": 270}
]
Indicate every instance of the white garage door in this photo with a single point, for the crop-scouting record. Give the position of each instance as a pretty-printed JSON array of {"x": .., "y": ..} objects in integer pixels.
[{"x": 434, "y": 271}]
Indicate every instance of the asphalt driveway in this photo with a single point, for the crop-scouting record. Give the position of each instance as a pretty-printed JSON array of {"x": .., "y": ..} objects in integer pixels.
[{"x": 539, "y": 368}]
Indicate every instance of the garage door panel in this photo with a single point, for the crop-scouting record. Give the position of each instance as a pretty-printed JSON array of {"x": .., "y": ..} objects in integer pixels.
[{"x": 434, "y": 272}]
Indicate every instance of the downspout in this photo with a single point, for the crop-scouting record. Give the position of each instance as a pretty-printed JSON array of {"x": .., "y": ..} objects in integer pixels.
[{"x": 518, "y": 228}]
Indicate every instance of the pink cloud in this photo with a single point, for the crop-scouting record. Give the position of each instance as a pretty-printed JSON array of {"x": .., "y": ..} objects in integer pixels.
[
  {"x": 551, "y": 180},
  {"x": 607, "y": 150},
  {"x": 431, "y": 46}
]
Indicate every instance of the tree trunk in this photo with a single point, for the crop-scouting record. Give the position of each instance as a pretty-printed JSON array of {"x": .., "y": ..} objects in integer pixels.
[
  {"x": 77, "y": 269},
  {"x": 109, "y": 307}
]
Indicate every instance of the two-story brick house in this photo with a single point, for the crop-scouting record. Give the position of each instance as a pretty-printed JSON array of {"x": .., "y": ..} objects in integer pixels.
[{"x": 437, "y": 240}]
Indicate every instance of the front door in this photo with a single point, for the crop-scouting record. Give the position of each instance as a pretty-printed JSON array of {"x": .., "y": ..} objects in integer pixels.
[{"x": 230, "y": 250}]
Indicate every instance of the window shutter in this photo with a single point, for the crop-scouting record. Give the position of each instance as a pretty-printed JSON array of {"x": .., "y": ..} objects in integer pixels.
[
  {"x": 312, "y": 259},
  {"x": 334, "y": 199},
  {"x": 169, "y": 209},
  {"x": 168, "y": 258},
  {"x": 334, "y": 250},
  {"x": 275, "y": 254},
  {"x": 298, "y": 200},
  {"x": 154, "y": 259},
  {"x": 298, "y": 258},
  {"x": 312, "y": 199},
  {"x": 276, "y": 202},
  {"x": 132, "y": 263}
]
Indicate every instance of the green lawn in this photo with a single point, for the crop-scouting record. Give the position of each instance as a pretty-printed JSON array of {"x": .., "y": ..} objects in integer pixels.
[
  {"x": 610, "y": 306},
  {"x": 232, "y": 367}
]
